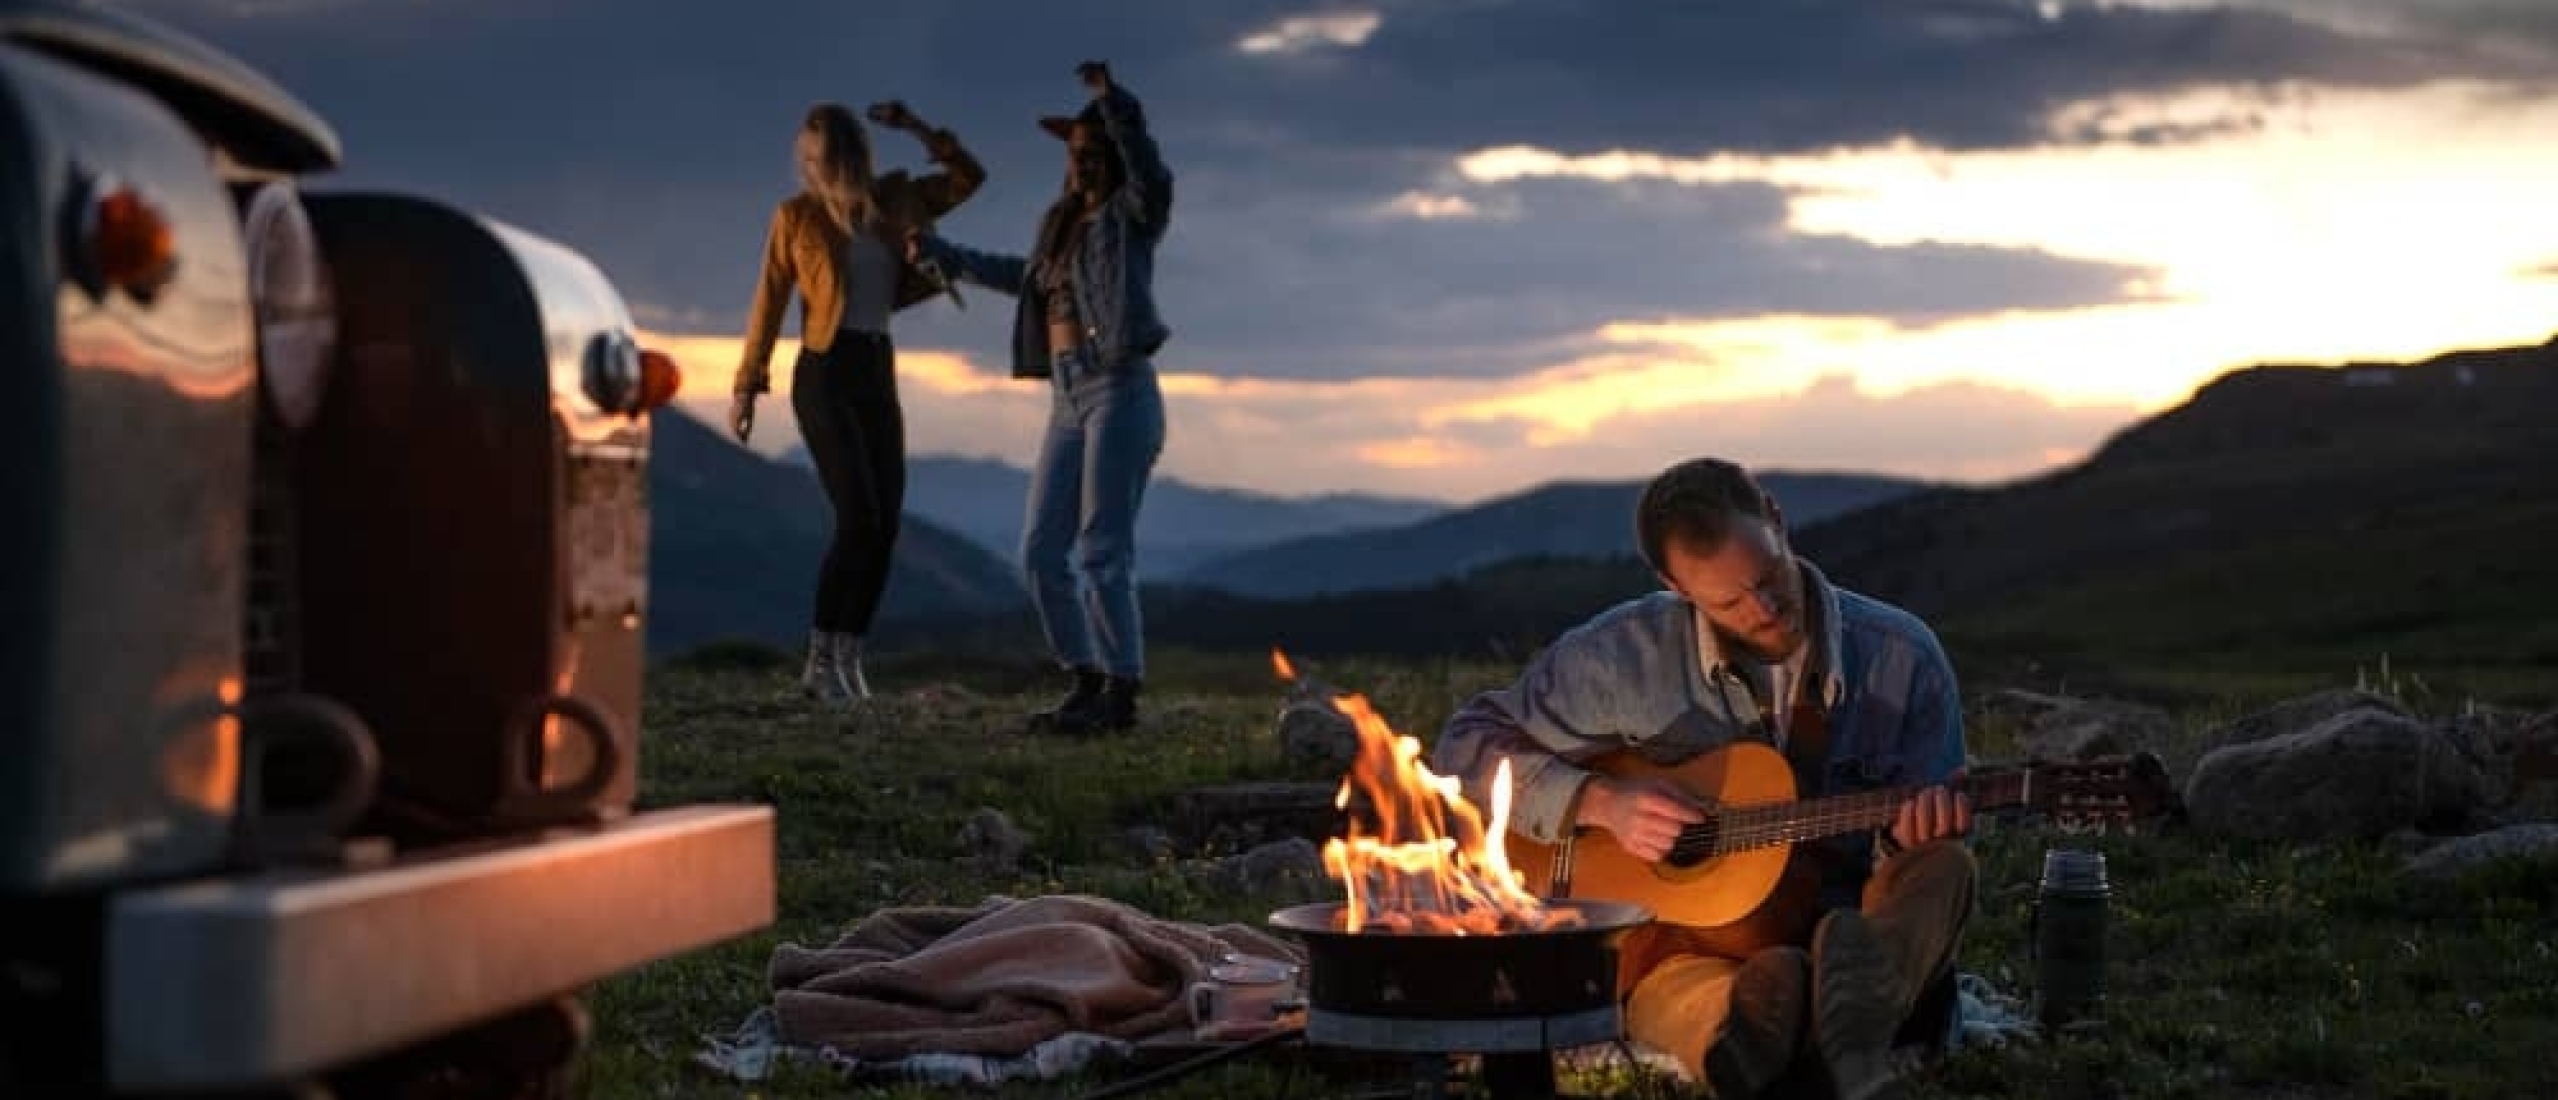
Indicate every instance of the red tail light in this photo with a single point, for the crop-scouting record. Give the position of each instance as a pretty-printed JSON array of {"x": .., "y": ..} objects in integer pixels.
[
  {"x": 659, "y": 379},
  {"x": 130, "y": 242}
]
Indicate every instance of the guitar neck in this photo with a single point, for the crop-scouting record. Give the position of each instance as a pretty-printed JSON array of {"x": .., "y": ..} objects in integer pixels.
[{"x": 1742, "y": 828}]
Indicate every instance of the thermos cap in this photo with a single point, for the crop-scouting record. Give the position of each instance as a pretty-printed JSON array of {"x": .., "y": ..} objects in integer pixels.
[{"x": 2071, "y": 871}]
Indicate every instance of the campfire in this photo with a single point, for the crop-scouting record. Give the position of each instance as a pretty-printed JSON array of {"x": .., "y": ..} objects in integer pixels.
[{"x": 1432, "y": 864}]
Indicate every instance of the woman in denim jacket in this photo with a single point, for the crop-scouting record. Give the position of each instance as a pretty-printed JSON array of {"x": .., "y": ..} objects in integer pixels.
[{"x": 1086, "y": 320}]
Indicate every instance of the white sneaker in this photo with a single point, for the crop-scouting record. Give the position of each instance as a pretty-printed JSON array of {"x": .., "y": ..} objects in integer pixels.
[
  {"x": 848, "y": 666},
  {"x": 822, "y": 677}
]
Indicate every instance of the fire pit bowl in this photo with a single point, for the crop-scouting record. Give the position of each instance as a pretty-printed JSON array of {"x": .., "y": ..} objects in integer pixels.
[{"x": 1523, "y": 990}]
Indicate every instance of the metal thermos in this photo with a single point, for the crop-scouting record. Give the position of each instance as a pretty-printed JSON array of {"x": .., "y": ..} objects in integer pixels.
[{"x": 2069, "y": 939}]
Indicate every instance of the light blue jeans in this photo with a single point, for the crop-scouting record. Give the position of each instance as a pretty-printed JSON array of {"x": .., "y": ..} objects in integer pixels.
[{"x": 1079, "y": 533}]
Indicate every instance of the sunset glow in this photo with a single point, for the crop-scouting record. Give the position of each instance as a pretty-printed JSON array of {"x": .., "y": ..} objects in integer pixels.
[
  {"x": 2336, "y": 225},
  {"x": 2304, "y": 225}
]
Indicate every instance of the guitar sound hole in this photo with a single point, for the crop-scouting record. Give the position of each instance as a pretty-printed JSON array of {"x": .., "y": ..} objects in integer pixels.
[{"x": 1693, "y": 847}]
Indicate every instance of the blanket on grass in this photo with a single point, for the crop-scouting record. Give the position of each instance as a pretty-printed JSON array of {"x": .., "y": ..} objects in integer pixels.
[{"x": 1000, "y": 978}]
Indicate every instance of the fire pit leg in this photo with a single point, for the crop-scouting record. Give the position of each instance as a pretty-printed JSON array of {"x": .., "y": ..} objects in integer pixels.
[{"x": 1519, "y": 1075}]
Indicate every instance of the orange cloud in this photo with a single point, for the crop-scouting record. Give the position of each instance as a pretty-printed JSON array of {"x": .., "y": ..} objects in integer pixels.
[
  {"x": 1417, "y": 453},
  {"x": 710, "y": 366}
]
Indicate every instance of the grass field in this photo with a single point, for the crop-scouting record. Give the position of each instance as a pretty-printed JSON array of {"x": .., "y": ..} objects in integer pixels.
[{"x": 2237, "y": 969}]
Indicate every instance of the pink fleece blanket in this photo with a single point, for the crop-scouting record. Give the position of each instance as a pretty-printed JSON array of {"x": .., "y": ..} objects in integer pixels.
[{"x": 1001, "y": 977}]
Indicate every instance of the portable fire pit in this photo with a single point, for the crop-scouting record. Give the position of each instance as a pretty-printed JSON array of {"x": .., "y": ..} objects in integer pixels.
[{"x": 1514, "y": 997}]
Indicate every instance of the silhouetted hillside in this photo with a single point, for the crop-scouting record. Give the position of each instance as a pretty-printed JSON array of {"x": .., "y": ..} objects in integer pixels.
[
  {"x": 2284, "y": 515},
  {"x": 1589, "y": 520},
  {"x": 734, "y": 540},
  {"x": 1507, "y": 610},
  {"x": 1181, "y": 525},
  {"x": 2348, "y": 511}
]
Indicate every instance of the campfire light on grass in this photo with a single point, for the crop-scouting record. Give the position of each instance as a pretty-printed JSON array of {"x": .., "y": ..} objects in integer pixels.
[{"x": 1434, "y": 865}]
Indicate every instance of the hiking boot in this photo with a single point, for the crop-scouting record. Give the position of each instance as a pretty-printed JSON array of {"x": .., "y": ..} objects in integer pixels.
[
  {"x": 1117, "y": 709},
  {"x": 822, "y": 678},
  {"x": 1763, "y": 1027},
  {"x": 1854, "y": 1015},
  {"x": 1079, "y": 712}
]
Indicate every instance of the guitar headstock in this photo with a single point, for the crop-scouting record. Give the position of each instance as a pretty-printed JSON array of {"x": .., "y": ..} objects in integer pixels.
[{"x": 2110, "y": 792}]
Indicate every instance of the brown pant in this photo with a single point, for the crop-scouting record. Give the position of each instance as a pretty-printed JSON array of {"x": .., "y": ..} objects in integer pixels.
[{"x": 1917, "y": 903}]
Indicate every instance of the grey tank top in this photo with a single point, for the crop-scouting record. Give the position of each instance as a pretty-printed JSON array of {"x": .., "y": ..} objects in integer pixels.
[{"x": 869, "y": 272}]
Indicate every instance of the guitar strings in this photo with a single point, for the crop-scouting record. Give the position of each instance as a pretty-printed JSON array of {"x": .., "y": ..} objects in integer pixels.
[{"x": 1767, "y": 824}]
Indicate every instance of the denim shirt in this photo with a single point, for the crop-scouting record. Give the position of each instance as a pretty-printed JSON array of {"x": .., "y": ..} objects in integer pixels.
[
  {"x": 1648, "y": 677},
  {"x": 1114, "y": 280}
]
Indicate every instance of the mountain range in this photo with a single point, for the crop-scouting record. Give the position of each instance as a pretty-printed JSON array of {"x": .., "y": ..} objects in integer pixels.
[
  {"x": 1569, "y": 520},
  {"x": 2325, "y": 513},
  {"x": 2284, "y": 519},
  {"x": 1181, "y": 525},
  {"x": 734, "y": 541},
  {"x": 737, "y": 538}
]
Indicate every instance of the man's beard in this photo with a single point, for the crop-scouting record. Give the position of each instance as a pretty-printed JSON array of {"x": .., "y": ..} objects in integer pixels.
[{"x": 1732, "y": 643}]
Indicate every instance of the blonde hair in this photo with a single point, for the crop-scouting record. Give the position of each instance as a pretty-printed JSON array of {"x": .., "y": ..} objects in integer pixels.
[{"x": 842, "y": 177}]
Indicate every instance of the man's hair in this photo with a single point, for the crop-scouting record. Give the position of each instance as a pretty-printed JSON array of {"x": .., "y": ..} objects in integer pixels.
[{"x": 1694, "y": 503}]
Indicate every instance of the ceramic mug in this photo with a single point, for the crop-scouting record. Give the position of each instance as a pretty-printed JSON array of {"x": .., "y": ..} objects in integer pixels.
[{"x": 1242, "y": 996}]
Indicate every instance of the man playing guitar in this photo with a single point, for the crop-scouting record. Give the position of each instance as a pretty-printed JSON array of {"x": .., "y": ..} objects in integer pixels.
[{"x": 1657, "y": 750}]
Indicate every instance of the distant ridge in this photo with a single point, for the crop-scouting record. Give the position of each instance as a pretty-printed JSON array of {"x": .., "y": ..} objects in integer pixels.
[
  {"x": 1584, "y": 520},
  {"x": 2288, "y": 508},
  {"x": 734, "y": 541},
  {"x": 1182, "y": 523}
]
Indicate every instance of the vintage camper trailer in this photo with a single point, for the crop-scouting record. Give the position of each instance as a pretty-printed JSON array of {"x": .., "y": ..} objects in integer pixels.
[{"x": 323, "y": 554}]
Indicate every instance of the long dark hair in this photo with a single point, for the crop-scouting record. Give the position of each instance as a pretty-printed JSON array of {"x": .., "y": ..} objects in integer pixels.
[
  {"x": 1089, "y": 122},
  {"x": 1063, "y": 214}
]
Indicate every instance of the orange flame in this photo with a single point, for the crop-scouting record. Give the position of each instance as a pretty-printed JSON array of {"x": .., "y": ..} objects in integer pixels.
[{"x": 1434, "y": 864}]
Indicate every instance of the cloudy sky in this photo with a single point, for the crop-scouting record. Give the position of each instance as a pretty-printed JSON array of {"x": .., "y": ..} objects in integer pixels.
[{"x": 1453, "y": 248}]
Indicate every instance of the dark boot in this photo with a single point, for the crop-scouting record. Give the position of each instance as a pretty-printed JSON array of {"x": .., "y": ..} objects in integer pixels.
[
  {"x": 1856, "y": 1008},
  {"x": 1117, "y": 709},
  {"x": 1764, "y": 1025},
  {"x": 1078, "y": 712}
]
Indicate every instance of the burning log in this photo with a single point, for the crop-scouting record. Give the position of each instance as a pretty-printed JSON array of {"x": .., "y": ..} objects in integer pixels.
[{"x": 1480, "y": 922}]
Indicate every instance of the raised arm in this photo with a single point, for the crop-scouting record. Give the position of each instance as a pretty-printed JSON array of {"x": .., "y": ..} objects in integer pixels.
[
  {"x": 1146, "y": 188},
  {"x": 772, "y": 298},
  {"x": 960, "y": 176}
]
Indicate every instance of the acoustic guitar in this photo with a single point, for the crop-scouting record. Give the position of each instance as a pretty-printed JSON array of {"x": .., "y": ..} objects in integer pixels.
[{"x": 1733, "y": 873}]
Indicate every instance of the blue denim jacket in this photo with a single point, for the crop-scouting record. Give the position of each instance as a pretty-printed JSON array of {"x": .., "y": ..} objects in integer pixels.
[
  {"x": 1646, "y": 676},
  {"x": 1115, "y": 268}
]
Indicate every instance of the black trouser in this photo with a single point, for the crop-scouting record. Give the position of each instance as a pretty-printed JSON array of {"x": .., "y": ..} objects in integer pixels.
[{"x": 846, "y": 398}]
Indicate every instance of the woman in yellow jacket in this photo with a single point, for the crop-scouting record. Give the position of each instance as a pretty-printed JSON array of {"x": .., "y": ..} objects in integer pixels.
[{"x": 839, "y": 244}]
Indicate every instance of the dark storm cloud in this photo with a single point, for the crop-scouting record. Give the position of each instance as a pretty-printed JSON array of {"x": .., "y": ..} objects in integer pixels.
[
  {"x": 1811, "y": 74},
  {"x": 1344, "y": 293},
  {"x": 2517, "y": 31},
  {"x": 654, "y": 136}
]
